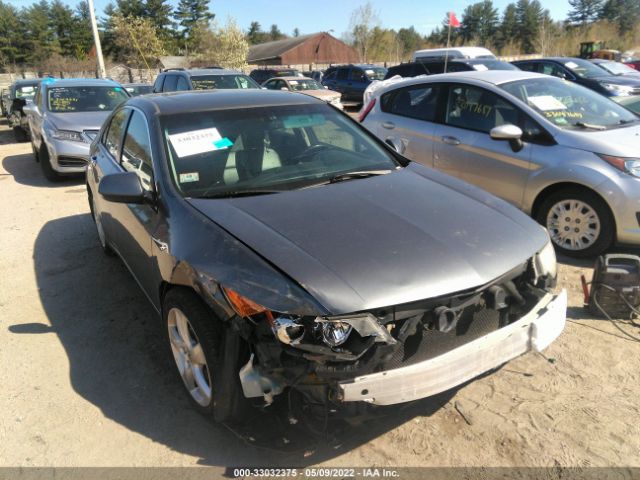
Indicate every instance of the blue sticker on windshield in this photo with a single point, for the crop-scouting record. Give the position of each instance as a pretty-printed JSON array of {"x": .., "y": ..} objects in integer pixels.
[
  {"x": 300, "y": 121},
  {"x": 223, "y": 143},
  {"x": 117, "y": 89}
]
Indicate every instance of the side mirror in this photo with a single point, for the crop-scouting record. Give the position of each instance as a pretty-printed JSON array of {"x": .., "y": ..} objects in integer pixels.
[
  {"x": 509, "y": 132},
  {"x": 122, "y": 187}
]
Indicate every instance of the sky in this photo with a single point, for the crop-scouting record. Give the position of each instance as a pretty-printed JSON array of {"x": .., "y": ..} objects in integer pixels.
[{"x": 311, "y": 16}]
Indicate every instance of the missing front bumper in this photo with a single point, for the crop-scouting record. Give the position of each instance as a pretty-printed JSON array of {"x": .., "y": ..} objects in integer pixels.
[{"x": 534, "y": 331}]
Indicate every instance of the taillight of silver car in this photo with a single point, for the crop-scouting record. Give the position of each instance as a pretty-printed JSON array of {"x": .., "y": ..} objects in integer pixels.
[{"x": 365, "y": 111}]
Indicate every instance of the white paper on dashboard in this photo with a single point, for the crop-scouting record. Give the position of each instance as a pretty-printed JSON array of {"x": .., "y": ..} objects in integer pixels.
[
  {"x": 547, "y": 103},
  {"x": 195, "y": 141}
]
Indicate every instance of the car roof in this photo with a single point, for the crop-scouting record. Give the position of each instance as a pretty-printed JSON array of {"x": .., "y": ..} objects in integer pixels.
[
  {"x": 175, "y": 103},
  {"x": 211, "y": 71},
  {"x": 293, "y": 77},
  {"x": 28, "y": 81},
  {"x": 80, "y": 82},
  {"x": 493, "y": 77}
]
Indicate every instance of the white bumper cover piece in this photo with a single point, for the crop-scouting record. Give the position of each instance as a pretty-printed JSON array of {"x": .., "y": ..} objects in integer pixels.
[{"x": 535, "y": 331}]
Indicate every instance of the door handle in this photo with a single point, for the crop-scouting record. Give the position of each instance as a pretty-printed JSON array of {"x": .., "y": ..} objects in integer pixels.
[
  {"x": 161, "y": 245},
  {"x": 450, "y": 140},
  {"x": 388, "y": 125}
]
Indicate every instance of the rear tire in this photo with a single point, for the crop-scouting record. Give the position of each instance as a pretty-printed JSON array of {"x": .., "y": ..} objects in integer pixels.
[
  {"x": 579, "y": 222},
  {"x": 208, "y": 355},
  {"x": 45, "y": 163}
]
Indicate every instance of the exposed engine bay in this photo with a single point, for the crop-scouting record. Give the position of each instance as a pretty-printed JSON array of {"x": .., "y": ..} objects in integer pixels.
[{"x": 313, "y": 354}]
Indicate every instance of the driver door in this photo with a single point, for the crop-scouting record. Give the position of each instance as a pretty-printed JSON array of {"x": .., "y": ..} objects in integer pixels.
[{"x": 464, "y": 147}]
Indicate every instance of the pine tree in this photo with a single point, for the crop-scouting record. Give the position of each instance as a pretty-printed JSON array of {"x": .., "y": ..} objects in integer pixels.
[
  {"x": 479, "y": 23},
  {"x": 81, "y": 35},
  {"x": 41, "y": 36},
  {"x": 508, "y": 31},
  {"x": 584, "y": 11},
  {"x": 62, "y": 20},
  {"x": 529, "y": 14},
  {"x": 625, "y": 13},
  {"x": 275, "y": 33},
  {"x": 192, "y": 15},
  {"x": 12, "y": 36}
]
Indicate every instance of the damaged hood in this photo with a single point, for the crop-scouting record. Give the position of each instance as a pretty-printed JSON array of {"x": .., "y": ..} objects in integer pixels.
[{"x": 380, "y": 241}]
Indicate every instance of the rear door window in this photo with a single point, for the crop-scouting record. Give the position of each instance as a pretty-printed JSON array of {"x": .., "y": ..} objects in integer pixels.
[
  {"x": 417, "y": 101},
  {"x": 182, "y": 84},
  {"x": 170, "y": 83},
  {"x": 343, "y": 74}
]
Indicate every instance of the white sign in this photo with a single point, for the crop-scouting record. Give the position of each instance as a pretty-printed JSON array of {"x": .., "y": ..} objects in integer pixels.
[
  {"x": 547, "y": 103},
  {"x": 195, "y": 142}
]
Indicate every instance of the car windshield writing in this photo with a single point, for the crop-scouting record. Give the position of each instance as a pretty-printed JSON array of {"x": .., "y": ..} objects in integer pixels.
[
  {"x": 584, "y": 69},
  {"x": 568, "y": 105},
  {"x": 211, "y": 82},
  {"x": 225, "y": 153},
  {"x": 298, "y": 85},
  {"x": 84, "y": 99}
]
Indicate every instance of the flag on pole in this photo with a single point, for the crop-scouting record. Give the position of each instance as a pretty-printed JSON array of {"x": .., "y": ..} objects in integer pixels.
[{"x": 453, "y": 21}]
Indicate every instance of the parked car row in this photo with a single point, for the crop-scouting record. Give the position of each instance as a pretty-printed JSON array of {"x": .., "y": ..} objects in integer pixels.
[{"x": 286, "y": 247}]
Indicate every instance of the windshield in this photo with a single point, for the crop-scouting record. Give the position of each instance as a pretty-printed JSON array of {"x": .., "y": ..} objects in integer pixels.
[
  {"x": 299, "y": 85},
  {"x": 568, "y": 105},
  {"x": 583, "y": 68},
  {"x": 85, "y": 99},
  {"x": 375, "y": 73},
  {"x": 617, "y": 68},
  {"x": 26, "y": 91},
  {"x": 136, "y": 90},
  {"x": 231, "y": 152},
  {"x": 211, "y": 82}
]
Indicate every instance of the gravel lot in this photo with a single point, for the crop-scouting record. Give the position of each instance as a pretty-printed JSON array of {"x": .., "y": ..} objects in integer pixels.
[{"x": 86, "y": 381}]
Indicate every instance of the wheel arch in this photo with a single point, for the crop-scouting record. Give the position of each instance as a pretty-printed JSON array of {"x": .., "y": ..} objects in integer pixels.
[{"x": 557, "y": 187}]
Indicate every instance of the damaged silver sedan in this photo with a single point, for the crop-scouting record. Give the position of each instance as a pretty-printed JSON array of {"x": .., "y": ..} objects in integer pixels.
[{"x": 286, "y": 248}]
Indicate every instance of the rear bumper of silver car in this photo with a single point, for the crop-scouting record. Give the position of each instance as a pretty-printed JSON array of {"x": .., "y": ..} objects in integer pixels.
[{"x": 535, "y": 331}]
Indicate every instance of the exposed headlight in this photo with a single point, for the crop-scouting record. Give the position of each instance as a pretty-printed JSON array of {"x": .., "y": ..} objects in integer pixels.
[
  {"x": 545, "y": 261},
  {"x": 618, "y": 89},
  {"x": 624, "y": 164},
  {"x": 335, "y": 334},
  {"x": 67, "y": 135}
]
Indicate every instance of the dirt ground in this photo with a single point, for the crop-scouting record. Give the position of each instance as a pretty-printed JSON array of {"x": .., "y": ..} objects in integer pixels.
[{"x": 86, "y": 382}]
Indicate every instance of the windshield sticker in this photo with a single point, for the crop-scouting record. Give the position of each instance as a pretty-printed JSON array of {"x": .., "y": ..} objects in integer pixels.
[
  {"x": 547, "y": 103},
  {"x": 195, "y": 142},
  {"x": 369, "y": 72},
  {"x": 293, "y": 82},
  {"x": 301, "y": 121},
  {"x": 63, "y": 104},
  {"x": 480, "y": 67},
  {"x": 223, "y": 143},
  {"x": 189, "y": 177},
  {"x": 571, "y": 65}
]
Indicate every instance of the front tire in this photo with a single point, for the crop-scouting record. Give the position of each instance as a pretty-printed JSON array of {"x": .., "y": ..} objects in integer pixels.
[
  {"x": 207, "y": 354},
  {"x": 45, "y": 163},
  {"x": 579, "y": 222}
]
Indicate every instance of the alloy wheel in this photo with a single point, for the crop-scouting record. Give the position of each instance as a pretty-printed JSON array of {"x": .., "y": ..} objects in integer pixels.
[{"x": 189, "y": 356}]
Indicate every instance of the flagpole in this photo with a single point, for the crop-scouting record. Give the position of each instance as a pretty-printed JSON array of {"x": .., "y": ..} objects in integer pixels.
[{"x": 446, "y": 53}]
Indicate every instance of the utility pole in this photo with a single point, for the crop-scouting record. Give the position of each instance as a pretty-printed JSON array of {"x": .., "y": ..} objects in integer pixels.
[{"x": 96, "y": 39}]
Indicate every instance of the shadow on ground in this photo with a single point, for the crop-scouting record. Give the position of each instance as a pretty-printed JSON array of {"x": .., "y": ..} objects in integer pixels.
[
  {"x": 119, "y": 363},
  {"x": 26, "y": 171}
]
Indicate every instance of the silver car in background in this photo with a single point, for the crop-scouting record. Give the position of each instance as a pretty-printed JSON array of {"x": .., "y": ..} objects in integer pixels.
[
  {"x": 560, "y": 152},
  {"x": 65, "y": 117}
]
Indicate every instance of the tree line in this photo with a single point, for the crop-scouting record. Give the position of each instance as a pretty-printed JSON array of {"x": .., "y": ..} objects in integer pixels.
[
  {"x": 523, "y": 27},
  {"x": 51, "y": 35}
]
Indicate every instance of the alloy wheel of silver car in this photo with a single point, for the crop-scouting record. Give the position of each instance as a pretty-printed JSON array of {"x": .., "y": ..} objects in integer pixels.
[
  {"x": 189, "y": 356},
  {"x": 573, "y": 224}
]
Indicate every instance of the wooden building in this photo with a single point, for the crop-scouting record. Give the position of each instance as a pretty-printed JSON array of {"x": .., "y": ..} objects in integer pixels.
[{"x": 303, "y": 50}]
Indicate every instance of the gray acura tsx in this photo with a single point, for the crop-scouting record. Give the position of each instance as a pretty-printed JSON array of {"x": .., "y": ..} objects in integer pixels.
[{"x": 285, "y": 247}]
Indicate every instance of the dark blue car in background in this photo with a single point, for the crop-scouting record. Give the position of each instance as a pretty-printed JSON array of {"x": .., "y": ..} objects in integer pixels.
[{"x": 352, "y": 80}]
